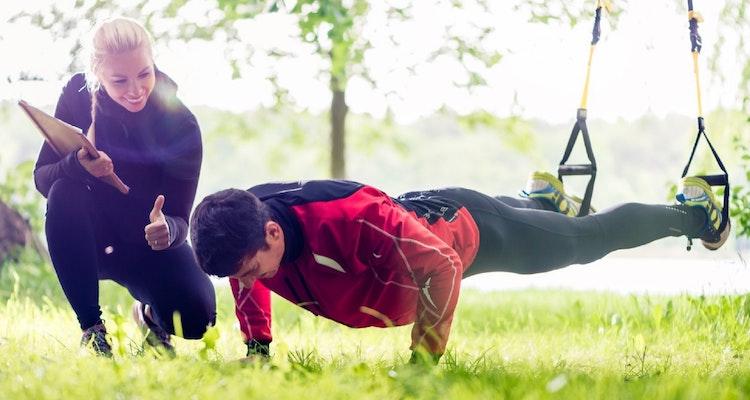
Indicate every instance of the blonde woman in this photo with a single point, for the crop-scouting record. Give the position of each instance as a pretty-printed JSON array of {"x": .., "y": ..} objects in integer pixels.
[{"x": 153, "y": 142}]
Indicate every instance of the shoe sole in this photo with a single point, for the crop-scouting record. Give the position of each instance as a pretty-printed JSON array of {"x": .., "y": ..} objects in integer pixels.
[
  {"x": 549, "y": 178},
  {"x": 695, "y": 181},
  {"x": 723, "y": 236}
]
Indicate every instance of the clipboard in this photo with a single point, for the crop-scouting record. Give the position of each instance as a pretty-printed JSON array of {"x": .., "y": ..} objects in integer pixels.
[{"x": 65, "y": 139}]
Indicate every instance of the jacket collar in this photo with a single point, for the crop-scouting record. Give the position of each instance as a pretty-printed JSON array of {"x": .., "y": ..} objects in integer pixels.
[{"x": 293, "y": 238}]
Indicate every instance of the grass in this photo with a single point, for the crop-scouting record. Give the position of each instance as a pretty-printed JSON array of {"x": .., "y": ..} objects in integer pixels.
[{"x": 518, "y": 345}]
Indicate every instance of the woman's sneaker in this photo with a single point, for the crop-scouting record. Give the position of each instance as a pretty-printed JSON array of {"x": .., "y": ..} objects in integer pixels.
[
  {"x": 545, "y": 186},
  {"x": 155, "y": 336},
  {"x": 695, "y": 192},
  {"x": 96, "y": 337}
]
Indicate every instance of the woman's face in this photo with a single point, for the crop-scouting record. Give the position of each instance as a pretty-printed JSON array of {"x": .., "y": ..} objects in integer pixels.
[{"x": 128, "y": 78}]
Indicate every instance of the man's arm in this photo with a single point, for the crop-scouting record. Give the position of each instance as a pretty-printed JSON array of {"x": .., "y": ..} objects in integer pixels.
[
  {"x": 437, "y": 270},
  {"x": 253, "y": 310},
  {"x": 404, "y": 244}
]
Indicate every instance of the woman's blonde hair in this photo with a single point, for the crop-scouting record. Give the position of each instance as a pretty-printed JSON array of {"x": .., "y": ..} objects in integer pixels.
[{"x": 111, "y": 36}]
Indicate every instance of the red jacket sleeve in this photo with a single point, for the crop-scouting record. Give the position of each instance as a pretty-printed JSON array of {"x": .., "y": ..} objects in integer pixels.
[
  {"x": 253, "y": 310},
  {"x": 404, "y": 244}
]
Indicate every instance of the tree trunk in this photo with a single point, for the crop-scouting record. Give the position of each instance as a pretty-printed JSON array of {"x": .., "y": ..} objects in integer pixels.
[
  {"x": 15, "y": 234},
  {"x": 338, "y": 130}
]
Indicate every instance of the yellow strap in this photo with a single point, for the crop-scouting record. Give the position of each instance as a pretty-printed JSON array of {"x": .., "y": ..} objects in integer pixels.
[
  {"x": 698, "y": 18},
  {"x": 584, "y": 97},
  {"x": 697, "y": 83},
  {"x": 695, "y": 14}
]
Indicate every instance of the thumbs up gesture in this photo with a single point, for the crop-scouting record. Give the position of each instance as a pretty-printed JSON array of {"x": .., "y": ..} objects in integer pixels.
[{"x": 157, "y": 232}]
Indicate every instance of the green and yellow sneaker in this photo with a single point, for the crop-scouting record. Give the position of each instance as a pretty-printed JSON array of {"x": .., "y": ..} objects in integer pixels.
[
  {"x": 545, "y": 186},
  {"x": 696, "y": 192}
]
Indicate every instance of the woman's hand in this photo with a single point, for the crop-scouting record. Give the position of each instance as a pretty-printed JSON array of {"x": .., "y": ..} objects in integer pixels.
[
  {"x": 157, "y": 232},
  {"x": 98, "y": 167}
]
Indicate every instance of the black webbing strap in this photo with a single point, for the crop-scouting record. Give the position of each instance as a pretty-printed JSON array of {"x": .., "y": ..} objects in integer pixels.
[
  {"x": 580, "y": 126},
  {"x": 695, "y": 38},
  {"x": 597, "y": 32},
  {"x": 580, "y": 169},
  {"x": 713, "y": 180}
]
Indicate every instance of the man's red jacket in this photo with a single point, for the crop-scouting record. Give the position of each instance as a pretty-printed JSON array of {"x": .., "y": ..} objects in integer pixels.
[{"x": 356, "y": 256}]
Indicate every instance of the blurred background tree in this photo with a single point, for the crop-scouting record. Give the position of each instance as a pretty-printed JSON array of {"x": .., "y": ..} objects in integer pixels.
[
  {"x": 735, "y": 31},
  {"x": 338, "y": 36},
  {"x": 20, "y": 215},
  {"x": 339, "y": 32}
]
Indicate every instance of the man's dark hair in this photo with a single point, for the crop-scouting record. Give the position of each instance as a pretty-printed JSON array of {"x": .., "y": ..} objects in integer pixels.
[{"x": 225, "y": 227}]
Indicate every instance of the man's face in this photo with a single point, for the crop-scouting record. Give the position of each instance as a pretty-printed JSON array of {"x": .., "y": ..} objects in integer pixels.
[
  {"x": 128, "y": 78},
  {"x": 265, "y": 262}
]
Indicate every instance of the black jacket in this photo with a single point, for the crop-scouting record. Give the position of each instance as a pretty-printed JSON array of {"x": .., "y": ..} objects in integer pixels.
[{"x": 155, "y": 151}]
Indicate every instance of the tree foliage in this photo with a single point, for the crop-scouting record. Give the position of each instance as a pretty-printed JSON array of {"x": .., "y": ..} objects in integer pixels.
[
  {"x": 337, "y": 31},
  {"x": 20, "y": 214},
  {"x": 733, "y": 37}
]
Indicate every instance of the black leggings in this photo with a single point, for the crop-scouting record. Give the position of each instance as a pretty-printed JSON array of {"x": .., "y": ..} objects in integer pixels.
[
  {"x": 519, "y": 235},
  {"x": 89, "y": 241}
]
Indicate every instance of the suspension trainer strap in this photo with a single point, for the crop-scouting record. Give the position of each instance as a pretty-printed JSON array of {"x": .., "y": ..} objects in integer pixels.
[
  {"x": 580, "y": 169},
  {"x": 580, "y": 124},
  {"x": 696, "y": 44},
  {"x": 596, "y": 33},
  {"x": 714, "y": 180}
]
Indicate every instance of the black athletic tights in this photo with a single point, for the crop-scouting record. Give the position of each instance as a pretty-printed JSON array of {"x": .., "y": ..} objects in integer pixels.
[
  {"x": 89, "y": 241},
  {"x": 522, "y": 236}
]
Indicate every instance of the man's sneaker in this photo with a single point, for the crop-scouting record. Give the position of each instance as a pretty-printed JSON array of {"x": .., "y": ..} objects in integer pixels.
[
  {"x": 96, "y": 337},
  {"x": 155, "y": 336},
  {"x": 545, "y": 186},
  {"x": 696, "y": 192}
]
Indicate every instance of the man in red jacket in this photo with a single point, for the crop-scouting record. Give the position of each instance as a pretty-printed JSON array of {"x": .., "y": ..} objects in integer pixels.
[{"x": 353, "y": 254}]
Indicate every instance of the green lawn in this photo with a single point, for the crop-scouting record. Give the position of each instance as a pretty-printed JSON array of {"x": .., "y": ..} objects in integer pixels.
[{"x": 530, "y": 344}]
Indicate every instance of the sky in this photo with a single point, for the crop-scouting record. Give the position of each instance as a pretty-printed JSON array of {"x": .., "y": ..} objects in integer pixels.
[{"x": 644, "y": 66}]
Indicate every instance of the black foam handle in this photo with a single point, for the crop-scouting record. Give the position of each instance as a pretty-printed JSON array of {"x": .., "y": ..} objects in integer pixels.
[{"x": 576, "y": 169}]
